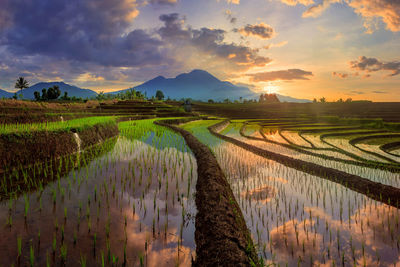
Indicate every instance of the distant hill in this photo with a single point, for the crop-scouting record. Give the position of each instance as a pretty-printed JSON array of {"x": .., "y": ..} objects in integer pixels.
[
  {"x": 71, "y": 89},
  {"x": 5, "y": 94},
  {"x": 200, "y": 85},
  {"x": 197, "y": 84},
  {"x": 284, "y": 98}
]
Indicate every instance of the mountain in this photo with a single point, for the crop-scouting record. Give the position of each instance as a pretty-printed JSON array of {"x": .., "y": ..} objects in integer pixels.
[
  {"x": 284, "y": 98},
  {"x": 71, "y": 89},
  {"x": 197, "y": 84},
  {"x": 200, "y": 85},
  {"x": 5, "y": 94}
]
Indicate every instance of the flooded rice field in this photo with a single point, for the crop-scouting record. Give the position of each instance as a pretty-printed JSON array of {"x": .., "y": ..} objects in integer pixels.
[
  {"x": 132, "y": 206},
  {"x": 297, "y": 219}
]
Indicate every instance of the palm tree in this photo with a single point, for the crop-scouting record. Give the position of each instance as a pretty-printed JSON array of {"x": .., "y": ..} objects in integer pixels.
[{"x": 21, "y": 84}]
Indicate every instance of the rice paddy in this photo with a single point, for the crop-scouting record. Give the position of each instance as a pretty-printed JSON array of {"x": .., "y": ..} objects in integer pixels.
[
  {"x": 75, "y": 124},
  {"x": 297, "y": 219},
  {"x": 131, "y": 206},
  {"x": 131, "y": 200}
]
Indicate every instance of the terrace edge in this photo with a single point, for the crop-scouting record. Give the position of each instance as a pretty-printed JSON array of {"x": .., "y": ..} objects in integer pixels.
[
  {"x": 28, "y": 148},
  {"x": 221, "y": 235}
]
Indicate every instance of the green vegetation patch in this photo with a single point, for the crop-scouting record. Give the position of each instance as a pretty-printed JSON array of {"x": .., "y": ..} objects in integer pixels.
[{"x": 77, "y": 125}]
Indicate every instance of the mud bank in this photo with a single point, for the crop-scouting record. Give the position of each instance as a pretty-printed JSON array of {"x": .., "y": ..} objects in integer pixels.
[
  {"x": 23, "y": 149},
  {"x": 357, "y": 140},
  {"x": 222, "y": 237},
  {"x": 388, "y": 148},
  {"x": 377, "y": 191}
]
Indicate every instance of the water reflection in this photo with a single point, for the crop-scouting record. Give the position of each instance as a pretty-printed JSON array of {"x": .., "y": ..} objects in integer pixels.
[
  {"x": 132, "y": 206},
  {"x": 308, "y": 220}
]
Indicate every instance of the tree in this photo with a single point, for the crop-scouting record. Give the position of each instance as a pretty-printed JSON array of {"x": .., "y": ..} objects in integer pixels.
[
  {"x": 160, "y": 95},
  {"x": 53, "y": 92},
  {"x": 65, "y": 96},
  {"x": 349, "y": 100},
  {"x": 101, "y": 96},
  {"x": 21, "y": 84},
  {"x": 37, "y": 95},
  {"x": 44, "y": 94},
  {"x": 210, "y": 101},
  {"x": 314, "y": 100},
  {"x": 322, "y": 100},
  {"x": 268, "y": 98}
]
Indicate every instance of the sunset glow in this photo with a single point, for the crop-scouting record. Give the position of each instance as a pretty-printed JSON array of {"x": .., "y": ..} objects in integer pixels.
[
  {"x": 335, "y": 49},
  {"x": 271, "y": 88}
]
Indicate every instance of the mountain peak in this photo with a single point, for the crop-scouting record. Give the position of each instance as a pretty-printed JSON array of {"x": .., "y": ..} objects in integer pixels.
[
  {"x": 198, "y": 75},
  {"x": 159, "y": 78},
  {"x": 199, "y": 71}
]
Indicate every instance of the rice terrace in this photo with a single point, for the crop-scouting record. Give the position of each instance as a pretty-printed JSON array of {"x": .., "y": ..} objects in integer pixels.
[{"x": 199, "y": 133}]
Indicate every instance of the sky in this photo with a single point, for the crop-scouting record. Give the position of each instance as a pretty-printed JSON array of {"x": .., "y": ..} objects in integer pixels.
[{"x": 301, "y": 48}]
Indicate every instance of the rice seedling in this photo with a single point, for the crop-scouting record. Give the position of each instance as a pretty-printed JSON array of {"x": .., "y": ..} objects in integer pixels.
[{"x": 31, "y": 256}]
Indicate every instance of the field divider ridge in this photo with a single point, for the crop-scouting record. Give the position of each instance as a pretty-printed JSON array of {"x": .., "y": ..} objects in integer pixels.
[{"x": 221, "y": 235}]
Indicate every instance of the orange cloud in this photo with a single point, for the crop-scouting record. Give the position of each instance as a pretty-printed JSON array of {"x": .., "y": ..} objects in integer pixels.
[
  {"x": 316, "y": 10},
  {"x": 296, "y": 2},
  {"x": 261, "y": 30},
  {"x": 340, "y": 75},
  {"x": 286, "y": 75},
  {"x": 372, "y": 65},
  {"x": 386, "y": 10}
]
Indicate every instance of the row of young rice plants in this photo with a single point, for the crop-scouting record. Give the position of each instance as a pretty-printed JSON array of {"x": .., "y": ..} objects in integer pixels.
[
  {"x": 76, "y": 124},
  {"x": 376, "y": 175},
  {"x": 376, "y": 149},
  {"x": 297, "y": 136},
  {"x": 308, "y": 137},
  {"x": 299, "y": 219},
  {"x": 342, "y": 143},
  {"x": 315, "y": 137},
  {"x": 275, "y": 136},
  {"x": 132, "y": 206},
  {"x": 372, "y": 144}
]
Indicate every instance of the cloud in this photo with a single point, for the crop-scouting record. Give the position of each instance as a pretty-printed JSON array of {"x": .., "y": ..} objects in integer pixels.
[
  {"x": 355, "y": 92},
  {"x": 261, "y": 30},
  {"x": 236, "y": 2},
  {"x": 317, "y": 9},
  {"x": 297, "y": 2},
  {"x": 386, "y": 10},
  {"x": 208, "y": 41},
  {"x": 379, "y": 92},
  {"x": 92, "y": 31},
  {"x": 340, "y": 75},
  {"x": 286, "y": 75},
  {"x": 373, "y": 65},
  {"x": 164, "y": 2},
  {"x": 230, "y": 17},
  {"x": 372, "y": 11},
  {"x": 280, "y": 44}
]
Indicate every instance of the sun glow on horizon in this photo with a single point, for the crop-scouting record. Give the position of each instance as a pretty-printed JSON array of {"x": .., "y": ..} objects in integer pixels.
[{"x": 271, "y": 88}]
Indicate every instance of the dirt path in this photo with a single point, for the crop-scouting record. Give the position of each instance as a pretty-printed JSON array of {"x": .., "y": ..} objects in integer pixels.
[{"x": 222, "y": 237}]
